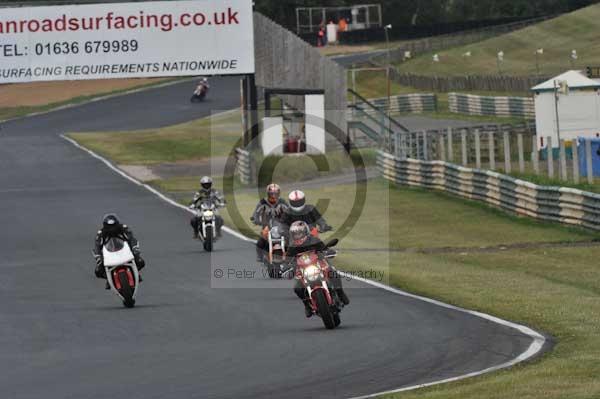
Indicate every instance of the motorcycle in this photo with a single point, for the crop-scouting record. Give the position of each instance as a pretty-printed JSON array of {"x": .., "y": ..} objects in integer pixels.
[
  {"x": 314, "y": 273},
  {"x": 275, "y": 259},
  {"x": 207, "y": 226},
  {"x": 122, "y": 273},
  {"x": 200, "y": 92}
]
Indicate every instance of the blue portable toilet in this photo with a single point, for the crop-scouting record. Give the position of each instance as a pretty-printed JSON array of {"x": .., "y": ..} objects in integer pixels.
[{"x": 595, "y": 155}]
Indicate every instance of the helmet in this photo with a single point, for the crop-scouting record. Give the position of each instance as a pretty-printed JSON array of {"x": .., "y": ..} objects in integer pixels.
[
  {"x": 273, "y": 192},
  {"x": 299, "y": 232},
  {"x": 204, "y": 80},
  {"x": 206, "y": 182},
  {"x": 110, "y": 223},
  {"x": 297, "y": 200}
]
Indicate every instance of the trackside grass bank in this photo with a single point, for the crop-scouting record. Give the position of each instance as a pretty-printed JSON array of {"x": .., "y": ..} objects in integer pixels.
[{"x": 558, "y": 37}]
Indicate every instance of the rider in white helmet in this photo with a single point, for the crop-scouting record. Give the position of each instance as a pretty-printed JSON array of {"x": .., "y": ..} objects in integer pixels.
[{"x": 299, "y": 210}]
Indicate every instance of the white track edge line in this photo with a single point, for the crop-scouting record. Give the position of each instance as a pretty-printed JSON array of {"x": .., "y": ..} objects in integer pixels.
[
  {"x": 146, "y": 186},
  {"x": 534, "y": 348}
]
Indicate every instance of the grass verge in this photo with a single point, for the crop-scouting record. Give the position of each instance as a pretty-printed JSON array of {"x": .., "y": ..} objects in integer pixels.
[{"x": 196, "y": 140}]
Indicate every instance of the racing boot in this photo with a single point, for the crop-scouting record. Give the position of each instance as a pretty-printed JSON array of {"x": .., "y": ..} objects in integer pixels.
[
  {"x": 308, "y": 312},
  {"x": 343, "y": 297}
]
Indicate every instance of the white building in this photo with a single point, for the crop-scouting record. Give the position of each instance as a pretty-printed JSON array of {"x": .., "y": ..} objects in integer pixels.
[{"x": 578, "y": 110}]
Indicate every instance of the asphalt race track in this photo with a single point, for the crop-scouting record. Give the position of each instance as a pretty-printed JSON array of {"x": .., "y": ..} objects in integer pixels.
[{"x": 63, "y": 336}]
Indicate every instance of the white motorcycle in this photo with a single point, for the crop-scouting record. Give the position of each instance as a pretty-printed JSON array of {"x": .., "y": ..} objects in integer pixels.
[
  {"x": 207, "y": 224},
  {"x": 122, "y": 273}
]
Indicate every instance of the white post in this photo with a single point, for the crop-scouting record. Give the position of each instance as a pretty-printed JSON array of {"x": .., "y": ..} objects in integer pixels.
[
  {"x": 442, "y": 147},
  {"x": 520, "y": 149},
  {"x": 450, "y": 148},
  {"x": 562, "y": 160},
  {"x": 535, "y": 154},
  {"x": 463, "y": 146},
  {"x": 507, "y": 165},
  {"x": 575, "y": 161},
  {"x": 588, "y": 161},
  {"x": 425, "y": 146},
  {"x": 491, "y": 150},
  {"x": 477, "y": 150},
  {"x": 550, "y": 157}
]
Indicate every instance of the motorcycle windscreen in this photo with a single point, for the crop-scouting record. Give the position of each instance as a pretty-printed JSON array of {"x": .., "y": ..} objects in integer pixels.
[{"x": 116, "y": 252}]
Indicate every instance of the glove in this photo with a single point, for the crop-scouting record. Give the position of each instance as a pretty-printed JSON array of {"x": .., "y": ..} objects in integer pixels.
[
  {"x": 99, "y": 271},
  {"x": 326, "y": 228},
  {"x": 192, "y": 206}
]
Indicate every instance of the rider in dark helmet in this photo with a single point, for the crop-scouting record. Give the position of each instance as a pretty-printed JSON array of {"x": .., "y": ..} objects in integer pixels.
[
  {"x": 267, "y": 211},
  {"x": 112, "y": 227},
  {"x": 205, "y": 193},
  {"x": 302, "y": 241},
  {"x": 300, "y": 211}
]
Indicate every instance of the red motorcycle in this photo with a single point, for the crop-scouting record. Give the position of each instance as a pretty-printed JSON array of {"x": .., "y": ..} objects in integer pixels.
[
  {"x": 200, "y": 92},
  {"x": 314, "y": 272}
]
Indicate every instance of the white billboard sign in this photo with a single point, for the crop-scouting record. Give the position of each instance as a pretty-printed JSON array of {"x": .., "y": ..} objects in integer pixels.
[{"x": 126, "y": 40}]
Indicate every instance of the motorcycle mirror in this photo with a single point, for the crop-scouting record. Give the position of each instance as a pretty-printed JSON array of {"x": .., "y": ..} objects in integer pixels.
[{"x": 332, "y": 243}]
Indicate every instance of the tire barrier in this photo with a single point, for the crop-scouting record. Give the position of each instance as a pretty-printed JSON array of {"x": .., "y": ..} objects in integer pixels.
[
  {"x": 557, "y": 204},
  {"x": 521, "y": 107},
  {"x": 243, "y": 166}
]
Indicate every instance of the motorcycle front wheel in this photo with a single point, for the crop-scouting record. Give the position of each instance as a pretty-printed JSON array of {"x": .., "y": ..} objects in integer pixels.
[
  {"x": 208, "y": 240},
  {"x": 324, "y": 309}
]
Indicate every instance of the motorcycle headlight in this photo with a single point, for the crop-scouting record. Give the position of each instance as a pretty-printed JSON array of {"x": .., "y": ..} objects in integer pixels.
[
  {"x": 208, "y": 214},
  {"x": 312, "y": 273}
]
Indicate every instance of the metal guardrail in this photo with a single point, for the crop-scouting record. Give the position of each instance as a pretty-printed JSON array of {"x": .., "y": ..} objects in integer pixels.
[{"x": 557, "y": 204}]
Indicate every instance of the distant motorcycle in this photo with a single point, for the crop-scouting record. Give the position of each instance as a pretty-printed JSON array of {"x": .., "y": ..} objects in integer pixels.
[
  {"x": 200, "y": 92},
  {"x": 314, "y": 271},
  {"x": 207, "y": 225},
  {"x": 122, "y": 273}
]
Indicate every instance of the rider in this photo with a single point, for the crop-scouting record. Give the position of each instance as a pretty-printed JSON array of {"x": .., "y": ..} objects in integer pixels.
[
  {"x": 300, "y": 211},
  {"x": 303, "y": 241},
  {"x": 267, "y": 209},
  {"x": 111, "y": 228},
  {"x": 206, "y": 192}
]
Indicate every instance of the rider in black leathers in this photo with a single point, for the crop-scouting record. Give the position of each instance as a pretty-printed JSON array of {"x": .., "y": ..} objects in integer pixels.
[
  {"x": 269, "y": 210},
  {"x": 299, "y": 211},
  {"x": 302, "y": 241},
  {"x": 112, "y": 227},
  {"x": 206, "y": 192}
]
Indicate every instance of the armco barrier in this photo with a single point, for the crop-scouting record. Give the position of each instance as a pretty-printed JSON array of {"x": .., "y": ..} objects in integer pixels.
[
  {"x": 522, "y": 107},
  {"x": 406, "y": 103},
  {"x": 243, "y": 166},
  {"x": 558, "y": 204}
]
